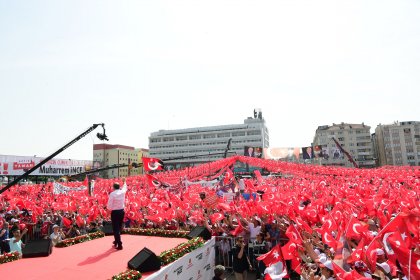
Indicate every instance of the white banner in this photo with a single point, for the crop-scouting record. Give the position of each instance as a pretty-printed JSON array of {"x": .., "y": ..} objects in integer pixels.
[
  {"x": 196, "y": 265},
  {"x": 61, "y": 189},
  {"x": 17, "y": 165}
]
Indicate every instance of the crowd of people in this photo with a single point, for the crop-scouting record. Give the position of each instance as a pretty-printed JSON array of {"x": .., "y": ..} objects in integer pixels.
[{"x": 324, "y": 222}]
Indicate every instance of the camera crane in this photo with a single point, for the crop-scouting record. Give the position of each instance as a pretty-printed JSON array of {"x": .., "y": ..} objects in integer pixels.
[{"x": 101, "y": 136}]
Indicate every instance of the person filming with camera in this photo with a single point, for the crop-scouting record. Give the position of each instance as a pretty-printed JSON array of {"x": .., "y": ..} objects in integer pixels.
[{"x": 241, "y": 262}]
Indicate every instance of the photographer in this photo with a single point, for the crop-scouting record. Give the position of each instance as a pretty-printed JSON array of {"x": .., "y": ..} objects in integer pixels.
[{"x": 241, "y": 262}]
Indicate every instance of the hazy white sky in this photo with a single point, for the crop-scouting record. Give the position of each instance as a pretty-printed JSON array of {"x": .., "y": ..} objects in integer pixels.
[{"x": 141, "y": 66}]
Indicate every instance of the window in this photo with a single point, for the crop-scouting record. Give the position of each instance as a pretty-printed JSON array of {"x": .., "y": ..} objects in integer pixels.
[
  {"x": 254, "y": 132},
  {"x": 181, "y": 138},
  {"x": 222, "y": 135},
  {"x": 194, "y": 137},
  {"x": 239, "y": 133},
  {"x": 207, "y": 136}
]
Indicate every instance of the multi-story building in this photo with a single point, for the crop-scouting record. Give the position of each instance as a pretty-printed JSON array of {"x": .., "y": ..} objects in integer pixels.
[
  {"x": 353, "y": 138},
  {"x": 398, "y": 143},
  {"x": 191, "y": 146},
  {"x": 107, "y": 155}
]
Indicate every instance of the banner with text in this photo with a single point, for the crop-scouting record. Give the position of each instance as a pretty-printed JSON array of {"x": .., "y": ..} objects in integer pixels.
[
  {"x": 17, "y": 165},
  {"x": 199, "y": 264}
]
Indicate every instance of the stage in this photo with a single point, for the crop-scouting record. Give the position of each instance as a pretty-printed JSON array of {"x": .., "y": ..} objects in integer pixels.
[{"x": 95, "y": 259}]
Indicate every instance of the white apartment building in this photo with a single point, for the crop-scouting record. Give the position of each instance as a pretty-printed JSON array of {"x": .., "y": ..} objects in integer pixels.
[
  {"x": 398, "y": 143},
  {"x": 353, "y": 138},
  {"x": 191, "y": 146}
]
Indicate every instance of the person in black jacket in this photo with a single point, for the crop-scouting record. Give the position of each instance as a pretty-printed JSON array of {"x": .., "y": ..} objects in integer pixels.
[{"x": 241, "y": 262}]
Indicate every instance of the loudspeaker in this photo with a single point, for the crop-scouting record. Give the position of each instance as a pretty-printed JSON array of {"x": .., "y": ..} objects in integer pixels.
[
  {"x": 37, "y": 248},
  {"x": 107, "y": 228},
  {"x": 199, "y": 231},
  {"x": 145, "y": 261}
]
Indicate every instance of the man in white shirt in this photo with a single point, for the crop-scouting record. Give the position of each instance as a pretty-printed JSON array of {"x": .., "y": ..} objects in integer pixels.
[
  {"x": 15, "y": 242},
  {"x": 116, "y": 204}
]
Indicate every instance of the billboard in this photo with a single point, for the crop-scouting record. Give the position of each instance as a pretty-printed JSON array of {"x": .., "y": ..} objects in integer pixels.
[
  {"x": 253, "y": 151},
  {"x": 291, "y": 153},
  {"x": 17, "y": 165}
]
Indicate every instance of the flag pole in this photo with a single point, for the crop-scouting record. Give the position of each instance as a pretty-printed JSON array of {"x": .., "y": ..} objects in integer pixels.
[{"x": 409, "y": 266}]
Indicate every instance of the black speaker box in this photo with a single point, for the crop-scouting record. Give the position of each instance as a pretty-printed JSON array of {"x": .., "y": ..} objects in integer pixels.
[
  {"x": 107, "y": 228},
  {"x": 199, "y": 231},
  {"x": 37, "y": 248},
  {"x": 144, "y": 261}
]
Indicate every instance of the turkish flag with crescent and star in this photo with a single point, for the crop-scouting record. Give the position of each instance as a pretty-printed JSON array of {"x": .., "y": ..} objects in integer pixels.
[
  {"x": 152, "y": 164},
  {"x": 276, "y": 267}
]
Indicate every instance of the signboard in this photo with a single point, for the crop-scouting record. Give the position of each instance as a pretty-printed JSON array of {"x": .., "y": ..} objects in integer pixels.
[
  {"x": 253, "y": 151},
  {"x": 17, "y": 165},
  {"x": 199, "y": 264},
  {"x": 291, "y": 153}
]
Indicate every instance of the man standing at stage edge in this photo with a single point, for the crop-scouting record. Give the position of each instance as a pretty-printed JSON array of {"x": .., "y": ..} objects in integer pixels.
[{"x": 116, "y": 203}]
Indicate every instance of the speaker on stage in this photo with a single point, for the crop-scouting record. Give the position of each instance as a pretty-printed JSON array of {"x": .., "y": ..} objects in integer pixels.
[
  {"x": 199, "y": 231},
  {"x": 107, "y": 228},
  {"x": 144, "y": 261},
  {"x": 37, "y": 248}
]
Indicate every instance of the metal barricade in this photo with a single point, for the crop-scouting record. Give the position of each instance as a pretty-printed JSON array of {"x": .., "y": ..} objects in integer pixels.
[{"x": 224, "y": 245}]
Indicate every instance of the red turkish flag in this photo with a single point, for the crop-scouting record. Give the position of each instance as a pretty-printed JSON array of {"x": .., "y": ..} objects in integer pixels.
[
  {"x": 302, "y": 224},
  {"x": 79, "y": 221},
  {"x": 273, "y": 256},
  {"x": 357, "y": 254},
  {"x": 329, "y": 240},
  {"x": 153, "y": 181},
  {"x": 289, "y": 250},
  {"x": 227, "y": 176},
  {"x": 237, "y": 230},
  {"x": 293, "y": 235},
  {"x": 370, "y": 254},
  {"x": 402, "y": 253},
  {"x": 152, "y": 164},
  {"x": 355, "y": 228},
  {"x": 276, "y": 267},
  {"x": 216, "y": 217},
  {"x": 66, "y": 222}
]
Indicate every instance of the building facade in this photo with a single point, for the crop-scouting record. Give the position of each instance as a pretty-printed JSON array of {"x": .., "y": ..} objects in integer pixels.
[
  {"x": 353, "y": 138},
  {"x": 191, "y": 146},
  {"x": 107, "y": 155},
  {"x": 398, "y": 143}
]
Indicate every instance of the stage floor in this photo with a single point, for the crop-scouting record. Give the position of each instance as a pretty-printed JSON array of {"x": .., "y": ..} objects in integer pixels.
[{"x": 95, "y": 259}]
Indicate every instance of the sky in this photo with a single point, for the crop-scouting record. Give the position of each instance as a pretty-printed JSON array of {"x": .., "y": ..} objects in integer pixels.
[{"x": 142, "y": 66}]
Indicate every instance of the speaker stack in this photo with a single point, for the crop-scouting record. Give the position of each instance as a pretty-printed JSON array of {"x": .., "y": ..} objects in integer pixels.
[
  {"x": 145, "y": 261},
  {"x": 37, "y": 248},
  {"x": 199, "y": 231},
  {"x": 107, "y": 228}
]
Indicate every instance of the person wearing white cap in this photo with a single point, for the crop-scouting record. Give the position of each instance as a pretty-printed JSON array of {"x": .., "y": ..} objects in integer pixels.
[
  {"x": 57, "y": 235},
  {"x": 327, "y": 270}
]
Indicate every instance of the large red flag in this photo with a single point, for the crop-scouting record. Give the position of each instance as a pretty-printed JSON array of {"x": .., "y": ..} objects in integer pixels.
[
  {"x": 276, "y": 267},
  {"x": 408, "y": 259},
  {"x": 152, "y": 164}
]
